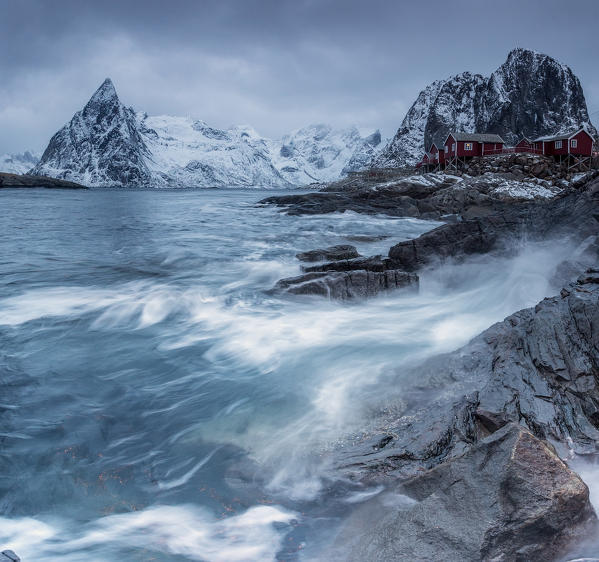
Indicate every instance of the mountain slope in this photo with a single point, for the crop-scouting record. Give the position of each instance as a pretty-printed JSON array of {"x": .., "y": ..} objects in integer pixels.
[
  {"x": 108, "y": 144},
  {"x": 101, "y": 145},
  {"x": 529, "y": 95}
]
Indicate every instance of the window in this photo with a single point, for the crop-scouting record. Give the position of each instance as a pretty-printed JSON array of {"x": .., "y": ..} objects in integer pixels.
[
  {"x": 452, "y": 146},
  {"x": 446, "y": 149},
  {"x": 468, "y": 146},
  {"x": 558, "y": 144},
  {"x": 574, "y": 143}
]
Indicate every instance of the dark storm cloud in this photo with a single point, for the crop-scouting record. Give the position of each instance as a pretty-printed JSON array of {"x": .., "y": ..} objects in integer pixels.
[{"x": 274, "y": 65}]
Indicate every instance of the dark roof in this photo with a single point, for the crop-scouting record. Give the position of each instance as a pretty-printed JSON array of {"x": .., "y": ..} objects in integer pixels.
[
  {"x": 477, "y": 137},
  {"x": 562, "y": 136}
]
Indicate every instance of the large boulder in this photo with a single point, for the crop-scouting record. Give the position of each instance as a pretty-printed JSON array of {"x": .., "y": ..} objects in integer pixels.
[{"x": 509, "y": 498}]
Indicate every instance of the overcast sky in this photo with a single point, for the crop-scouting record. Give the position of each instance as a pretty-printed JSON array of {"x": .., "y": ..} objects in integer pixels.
[{"x": 276, "y": 65}]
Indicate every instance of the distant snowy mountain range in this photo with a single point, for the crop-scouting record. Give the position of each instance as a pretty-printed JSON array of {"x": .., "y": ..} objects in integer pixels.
[
  {"x": 108, "y": 144},
  {"x": 19, "y": 163},
  {"x": 530, "y": 95}
]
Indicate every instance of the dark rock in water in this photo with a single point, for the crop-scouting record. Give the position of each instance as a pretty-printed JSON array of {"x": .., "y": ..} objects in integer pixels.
[
  {"x": 347, "y": 284},
  {"x": 332, "y": 253},
  {"x": 9, "y": 556},
  {"x": 509, "y": 497}
]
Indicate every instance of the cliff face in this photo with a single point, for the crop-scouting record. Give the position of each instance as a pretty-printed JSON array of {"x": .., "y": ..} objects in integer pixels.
[{"x": 529, "y": 95}]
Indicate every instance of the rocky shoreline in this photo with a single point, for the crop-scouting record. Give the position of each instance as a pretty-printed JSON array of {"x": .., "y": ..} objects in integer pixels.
[
  {"x": 16, "y": 180},
  {"x": 479, "y": 460}
]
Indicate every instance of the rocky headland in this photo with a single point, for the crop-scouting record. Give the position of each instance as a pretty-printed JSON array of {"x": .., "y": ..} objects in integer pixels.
[
  {"x": 477, "y": 446},
  {"x": 18, "y": 180}
]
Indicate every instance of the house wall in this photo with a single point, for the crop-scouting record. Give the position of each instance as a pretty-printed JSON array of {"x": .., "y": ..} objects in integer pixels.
[
  {"x": 448, "y": 144},
  {"x": 558, "y": 151},
  {"x": 492, "y": 148},
  {"x": 585, "y": 144},
  {"x": 463, "y": 152}
]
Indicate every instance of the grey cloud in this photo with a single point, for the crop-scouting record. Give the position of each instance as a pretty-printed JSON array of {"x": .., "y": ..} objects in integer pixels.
[{"x": 276, "y": 65}]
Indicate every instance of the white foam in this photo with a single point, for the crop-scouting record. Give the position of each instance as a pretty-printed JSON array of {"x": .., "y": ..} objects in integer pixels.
[{"x": 184, "y": 530}]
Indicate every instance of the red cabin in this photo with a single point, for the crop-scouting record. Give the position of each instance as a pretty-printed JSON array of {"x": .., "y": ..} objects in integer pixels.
[
  {"x": 433, "y": 154},
  {"x": 579, "y": 143},
  {"x": 463, "y": 145},
  {"x": 524, "y": 145}
]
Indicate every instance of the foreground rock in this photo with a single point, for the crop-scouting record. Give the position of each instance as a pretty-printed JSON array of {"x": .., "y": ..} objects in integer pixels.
[
  {"x": 474, "y": 437},
  {"x": 16, "y": 180},
  {"x": 537, "y": 368},
  {"x": 509, "y": 497}
]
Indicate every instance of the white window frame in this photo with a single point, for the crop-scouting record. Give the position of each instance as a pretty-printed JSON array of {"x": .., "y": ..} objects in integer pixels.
[
  {"x": 468, "y": 146},
  {"x": 558, "y": 144},
  {"x": 446, "y": 149},
  {"x": 573, "y": 143},
  {"x": 453, "y": 147}
]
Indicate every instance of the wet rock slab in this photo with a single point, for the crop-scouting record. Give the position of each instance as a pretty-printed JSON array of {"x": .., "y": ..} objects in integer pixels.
[
  {"x": 509, "y": 498},
  {"x": 347, "y": 284},
  {"x": 332, "y": 253}
]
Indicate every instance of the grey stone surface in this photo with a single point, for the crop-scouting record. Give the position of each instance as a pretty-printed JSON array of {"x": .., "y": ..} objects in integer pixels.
[
  {"x": 508, "y": 498},
  {"x": 332, "y": 253}
]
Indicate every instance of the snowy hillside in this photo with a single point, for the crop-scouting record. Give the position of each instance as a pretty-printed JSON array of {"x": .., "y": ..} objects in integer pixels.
[
  {"x": 18, "y": 163},
  {"x": 108, "y": 144},
  {"x": 529, "y": 95}
]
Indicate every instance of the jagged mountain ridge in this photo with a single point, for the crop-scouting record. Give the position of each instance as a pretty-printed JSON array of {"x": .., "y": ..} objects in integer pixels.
[
  {"x": 530, "y": 95},
  {"x": 108, "y": 144},
  {"x": 19, "y": 163}
]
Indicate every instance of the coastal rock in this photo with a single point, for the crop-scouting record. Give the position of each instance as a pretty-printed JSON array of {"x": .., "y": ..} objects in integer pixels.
[
  {"x": 347, "y": 284},
  {"x": 509, "y": 497},
  {"x": 428, "y": 196},
  {"x": 537, "y": 368},
  {"x": 332, "y": 253},
  {"x": 574, "y": 214}
]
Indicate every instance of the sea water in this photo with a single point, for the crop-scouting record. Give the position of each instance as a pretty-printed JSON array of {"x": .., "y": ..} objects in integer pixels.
[{"x": 157, "y": 402}]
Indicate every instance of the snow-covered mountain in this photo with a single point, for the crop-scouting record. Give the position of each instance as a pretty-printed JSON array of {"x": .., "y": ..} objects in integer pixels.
[
  {"x": 319, "y": 153},
  {"x": 529, "y": 95},
  {"x": 18, "y": 163},
  {"x": 107, "y": 143}
]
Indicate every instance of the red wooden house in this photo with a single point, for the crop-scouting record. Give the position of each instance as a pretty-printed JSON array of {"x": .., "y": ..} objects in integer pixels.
[
  {"x": 579, "y": 143},
  {"x": 524, "y": 145},
  {"x": 460, "y": 146},
  {"x": 576, "y": 148}
]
